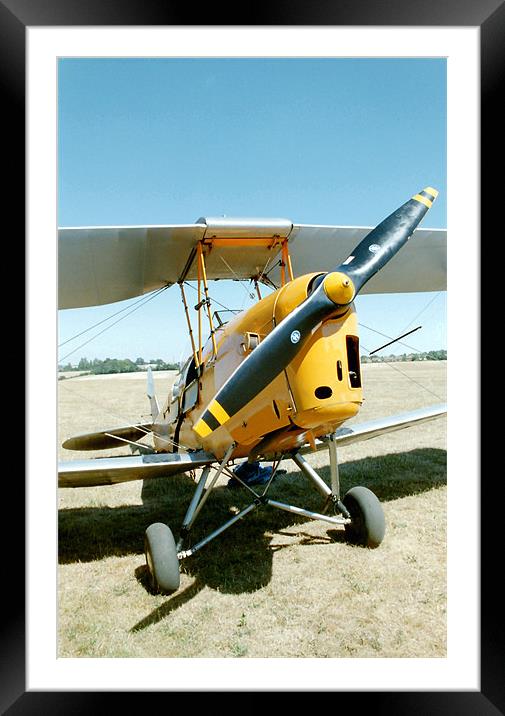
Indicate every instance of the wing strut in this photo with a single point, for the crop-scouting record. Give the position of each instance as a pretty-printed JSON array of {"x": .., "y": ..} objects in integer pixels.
[{"x": 190, "y": 330}]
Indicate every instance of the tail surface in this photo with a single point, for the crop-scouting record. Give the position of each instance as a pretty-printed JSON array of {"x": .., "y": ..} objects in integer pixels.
[{"x": 155, "y": 408}]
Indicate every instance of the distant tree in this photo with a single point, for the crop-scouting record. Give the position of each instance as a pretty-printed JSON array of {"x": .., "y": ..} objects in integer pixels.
[
  {"x": 406, "y": 357},
  {"x": 66, "y": 367},
  {"x": 113, "y": 365},
  {"x": 96, "y": 366},
  {"x": 168, "y": 366}
]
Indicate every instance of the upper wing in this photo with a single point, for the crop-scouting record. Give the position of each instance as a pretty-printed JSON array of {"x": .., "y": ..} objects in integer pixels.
[
  {"x": 98, "y": 265},
  {"x": 421, "y": 265}
]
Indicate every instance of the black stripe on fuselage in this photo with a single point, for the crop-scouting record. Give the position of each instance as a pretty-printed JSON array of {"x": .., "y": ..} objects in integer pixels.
[{"x": 210, "y": 420}]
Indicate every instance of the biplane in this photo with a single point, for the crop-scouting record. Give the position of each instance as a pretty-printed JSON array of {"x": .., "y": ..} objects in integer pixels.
[{"x": 274, "y": 382}]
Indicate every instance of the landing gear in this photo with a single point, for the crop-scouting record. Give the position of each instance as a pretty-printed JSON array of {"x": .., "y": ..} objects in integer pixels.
[
  {"x": 367, "y": 525},
  {"x": 360, "y": 513},
  {"x": 161, "y": 558},
  {"x": 360, "y": 510},
  {"x": 161, "y": 551}
]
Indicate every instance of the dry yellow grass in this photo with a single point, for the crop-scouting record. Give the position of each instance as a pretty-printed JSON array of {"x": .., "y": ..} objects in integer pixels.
[{"x": 274, "y": 585}]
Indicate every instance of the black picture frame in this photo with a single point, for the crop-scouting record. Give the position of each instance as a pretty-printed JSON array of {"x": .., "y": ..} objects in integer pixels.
[{"x": 489, "y": 16}]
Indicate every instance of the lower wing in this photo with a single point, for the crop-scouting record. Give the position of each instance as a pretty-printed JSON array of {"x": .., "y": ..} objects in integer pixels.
[
  {"x": 373, "y": 428},
  {"x": 111, "y": 470}
]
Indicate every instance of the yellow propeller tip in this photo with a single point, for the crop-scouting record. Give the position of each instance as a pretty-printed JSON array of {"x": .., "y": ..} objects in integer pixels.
[
  {"x": 432, "y": 191},
  {"x": 427, "y": 196}
]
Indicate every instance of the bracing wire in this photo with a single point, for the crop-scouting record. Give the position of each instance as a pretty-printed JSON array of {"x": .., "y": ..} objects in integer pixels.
[
  {"x": 264, "y": 268},
  {"x": 241, "y": 281},
  {"x": 416, "y": 350},
  {"x": 384, "y": 335},
  {"x": 113, "y": 315},
  {"x": 422, "y": 310},
  {"x": 409, "y": 377},
  {"x": 121, "y": 417},
  {"x": 150, "y": 298},
  {"x": 212, "y": 299}
]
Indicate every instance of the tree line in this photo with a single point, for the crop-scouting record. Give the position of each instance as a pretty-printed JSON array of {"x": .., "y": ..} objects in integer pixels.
[
  {"x": 117, "y": 365},
  {"x": 404, "y": 357},
  {"x": 125, "y": 365}
]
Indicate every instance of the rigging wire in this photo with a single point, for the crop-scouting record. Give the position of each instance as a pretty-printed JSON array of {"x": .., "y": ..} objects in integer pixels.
[
  {"x": 416, "y": 350},
  {"x": 266, "y": 278},
  {"x": 221, "y": 305},
  {"x": 143, "y": 301},
  {"x": 138, "y": 304},
  {"x": 121, "y": 417},
  {"x": 384, "y": 335},
  {"x": 394, "y": 340},
  {"x": 409, "y": 377},
  {"x": 422, "y": 310},
  {"x": 264, "y": 268},
  {"x": 154, "y": 295},
  {"x": 249, "y": 294},
  {"x": 212, "y": 299},
  {"x": 143, "y": 298}
]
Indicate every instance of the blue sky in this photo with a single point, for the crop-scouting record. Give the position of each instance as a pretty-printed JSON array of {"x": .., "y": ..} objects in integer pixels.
[{"x": 323, "y": 141}]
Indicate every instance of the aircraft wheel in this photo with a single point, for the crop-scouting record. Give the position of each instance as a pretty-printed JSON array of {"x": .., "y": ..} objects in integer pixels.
[
  {"x": 368, "y": 523},
  {"x": 161, "y": 558}
]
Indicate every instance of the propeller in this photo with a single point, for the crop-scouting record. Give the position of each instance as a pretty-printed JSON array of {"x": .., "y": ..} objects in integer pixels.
[{"x": 330, "y": 292}]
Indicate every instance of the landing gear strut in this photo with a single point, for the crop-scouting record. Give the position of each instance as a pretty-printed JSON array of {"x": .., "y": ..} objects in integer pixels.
[
  {"x": 363, "y": 515},
  {"x": 163, "y": 555},
  {"x": 360, "y": 513}
]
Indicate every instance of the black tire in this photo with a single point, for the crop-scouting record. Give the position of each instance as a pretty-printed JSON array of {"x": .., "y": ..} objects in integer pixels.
[
  {"x": 161, "y": 558},
  {"x": 368, "y": 524}
]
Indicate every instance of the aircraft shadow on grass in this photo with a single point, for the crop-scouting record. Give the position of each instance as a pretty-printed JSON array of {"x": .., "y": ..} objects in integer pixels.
[{"x": 92, "y": 533}]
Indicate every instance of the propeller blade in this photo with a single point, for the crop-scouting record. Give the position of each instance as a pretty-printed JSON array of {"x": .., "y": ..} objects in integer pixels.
[
  {"x": 331, "y": 291},
  {"x": 382, "y": 243}
]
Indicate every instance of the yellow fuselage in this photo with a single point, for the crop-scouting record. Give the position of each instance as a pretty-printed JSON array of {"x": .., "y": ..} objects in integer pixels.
[{"x": 318, "y": 391}]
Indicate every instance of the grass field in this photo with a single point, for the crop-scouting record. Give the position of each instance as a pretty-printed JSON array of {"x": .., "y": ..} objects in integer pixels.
[{"x": 274, "y": 585}]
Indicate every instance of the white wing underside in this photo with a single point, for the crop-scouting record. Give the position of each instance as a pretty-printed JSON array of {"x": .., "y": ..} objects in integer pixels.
[{"x": 100, "y": 265}]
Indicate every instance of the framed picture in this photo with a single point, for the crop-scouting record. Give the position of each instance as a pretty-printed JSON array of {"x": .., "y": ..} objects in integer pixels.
[{"x": 57, "y": 31}]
